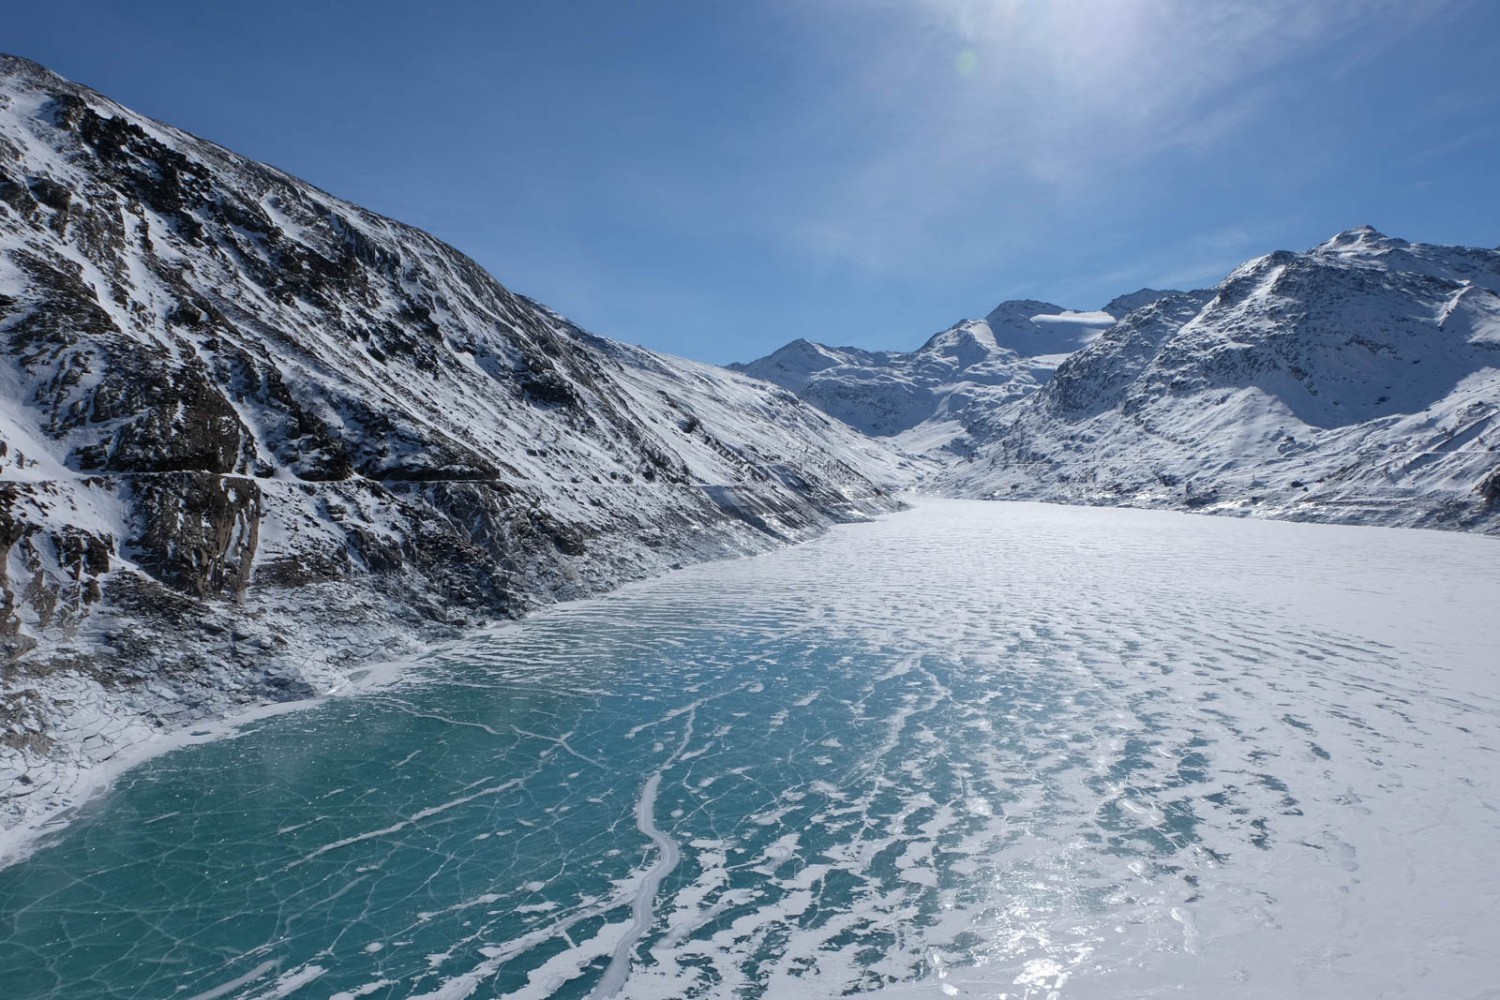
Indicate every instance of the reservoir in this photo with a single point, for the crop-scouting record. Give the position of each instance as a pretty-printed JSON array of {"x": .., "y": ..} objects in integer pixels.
[{"x": 976, "y": 749}]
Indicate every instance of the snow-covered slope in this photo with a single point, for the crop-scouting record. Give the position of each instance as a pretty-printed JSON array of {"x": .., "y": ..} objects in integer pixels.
[
  {"x": 932, "y": 395},
  {"x": 1358, "y": 381},
  {"x": 235, "y": 411},
  {"x": 1038, "y": 329}
]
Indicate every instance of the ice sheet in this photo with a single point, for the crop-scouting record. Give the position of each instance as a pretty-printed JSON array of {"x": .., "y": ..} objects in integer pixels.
[{"x": 973, "y": 750}]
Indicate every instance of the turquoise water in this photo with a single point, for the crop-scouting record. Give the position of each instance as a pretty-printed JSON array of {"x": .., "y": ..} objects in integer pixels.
[{"x": 971, "y": 750}]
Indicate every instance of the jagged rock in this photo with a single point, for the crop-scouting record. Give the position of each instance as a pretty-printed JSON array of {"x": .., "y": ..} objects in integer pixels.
[{"x": 198, "y": 532}]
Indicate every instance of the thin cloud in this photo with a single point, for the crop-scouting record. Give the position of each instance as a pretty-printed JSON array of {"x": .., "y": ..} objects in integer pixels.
[{"x": 1050, "y": 103}]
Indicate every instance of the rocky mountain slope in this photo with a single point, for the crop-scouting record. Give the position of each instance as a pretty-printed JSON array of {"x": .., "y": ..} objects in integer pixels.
[
  {"x": 246, "y": 427},
  {"x": 1359, "y": 381},
  {"x": 932, "y": 397}
]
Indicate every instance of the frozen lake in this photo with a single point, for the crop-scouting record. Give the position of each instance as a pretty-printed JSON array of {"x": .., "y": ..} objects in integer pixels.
[{"x": 999, "y": 750}]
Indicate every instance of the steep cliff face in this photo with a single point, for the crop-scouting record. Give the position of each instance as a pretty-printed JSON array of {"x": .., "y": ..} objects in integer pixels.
[
  {"x": 232, "y": 404},
  {"x": 1358, "y": 381}
]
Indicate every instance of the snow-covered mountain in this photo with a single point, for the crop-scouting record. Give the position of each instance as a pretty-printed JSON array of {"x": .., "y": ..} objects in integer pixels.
[
  {"x": 233, "y": 407},
  {"x": 1358, "y": 381},
  {"x": 1035, "y": 329},
  {"x": 931, "y": 396}
]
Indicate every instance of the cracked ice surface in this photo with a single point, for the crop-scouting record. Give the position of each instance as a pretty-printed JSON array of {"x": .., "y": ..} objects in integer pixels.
[{"x": 977, "y": 749}]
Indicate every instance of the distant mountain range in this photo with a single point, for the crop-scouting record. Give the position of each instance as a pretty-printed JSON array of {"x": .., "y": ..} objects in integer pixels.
[
  {"x": 963, "y": 372},
  {"x": 1358, "y": 381}
]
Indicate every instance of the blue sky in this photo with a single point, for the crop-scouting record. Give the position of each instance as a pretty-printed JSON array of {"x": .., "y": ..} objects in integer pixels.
[{"x": 716, "y": 179}]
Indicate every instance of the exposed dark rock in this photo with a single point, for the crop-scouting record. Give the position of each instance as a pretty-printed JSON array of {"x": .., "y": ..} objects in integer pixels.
[
  {"x": 1490, "y": 488},
  {"x": 197, "y": 532}
]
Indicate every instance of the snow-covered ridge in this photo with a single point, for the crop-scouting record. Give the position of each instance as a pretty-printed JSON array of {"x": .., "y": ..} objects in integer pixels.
[
  {"x": 247, "y": 429},
  {"x": 1357, "y": 381},
  {"x": 947, "y": 387}
]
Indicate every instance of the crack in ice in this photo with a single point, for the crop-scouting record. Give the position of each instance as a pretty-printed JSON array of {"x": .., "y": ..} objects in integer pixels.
[{"x": 643, "y": 905}]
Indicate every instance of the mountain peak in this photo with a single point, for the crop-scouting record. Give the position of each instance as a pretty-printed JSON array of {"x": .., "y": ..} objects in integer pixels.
[
  {"x": 20, "y": 67},
  {"x": 1120, "y": 305},
  {"x": 1359, "y": 238},
  {"x": 804, "y": 354},
  {"x": 966, "y": 331},
  {"x": 1021, "y": 310}
]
